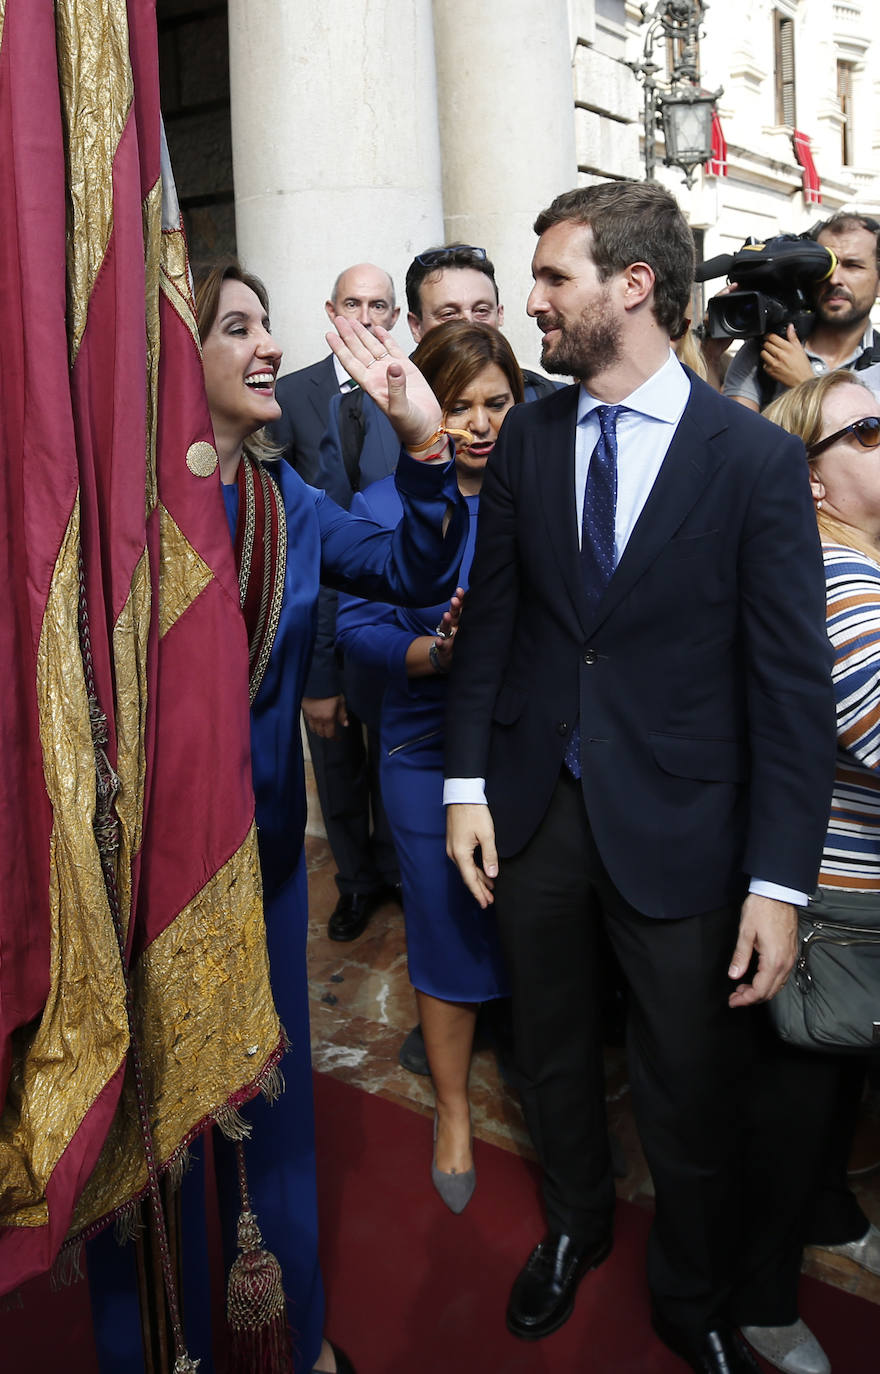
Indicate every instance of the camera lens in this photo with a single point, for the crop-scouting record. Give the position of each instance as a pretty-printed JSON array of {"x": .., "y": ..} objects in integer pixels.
[{"x": 741, "y": 315}]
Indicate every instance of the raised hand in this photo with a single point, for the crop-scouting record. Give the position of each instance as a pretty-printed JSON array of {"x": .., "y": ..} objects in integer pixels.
[{"x": 386, "y": 374}]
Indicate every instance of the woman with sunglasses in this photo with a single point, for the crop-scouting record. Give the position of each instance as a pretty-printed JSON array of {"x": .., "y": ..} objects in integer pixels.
[{"x": 805, "y": 1106}]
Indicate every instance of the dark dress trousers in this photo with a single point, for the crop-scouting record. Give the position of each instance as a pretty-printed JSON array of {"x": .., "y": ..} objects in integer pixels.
[{"x": 701, "y": 683}]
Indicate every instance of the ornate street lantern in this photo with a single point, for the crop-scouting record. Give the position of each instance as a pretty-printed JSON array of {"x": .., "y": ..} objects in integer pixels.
[{"x": 676, "y": 104}]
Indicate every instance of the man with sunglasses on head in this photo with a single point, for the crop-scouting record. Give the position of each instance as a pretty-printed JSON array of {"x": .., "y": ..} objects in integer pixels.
[{"x": 842, "y": 335}]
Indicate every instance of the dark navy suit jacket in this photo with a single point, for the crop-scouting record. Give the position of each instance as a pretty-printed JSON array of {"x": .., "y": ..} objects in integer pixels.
[
  {"x": 304, "y": 398},
  {"x": 701, "y": 681}
]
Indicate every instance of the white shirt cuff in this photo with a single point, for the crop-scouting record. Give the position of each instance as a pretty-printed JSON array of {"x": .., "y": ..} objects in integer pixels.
[
  {"x": 468, "y": 790},
  {"x": 779, "y": 894}
]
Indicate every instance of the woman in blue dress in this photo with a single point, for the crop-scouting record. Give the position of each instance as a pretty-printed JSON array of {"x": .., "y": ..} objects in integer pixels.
[
  {"x": 453, "y": 952},
  {"x": 288, "y": 537}
]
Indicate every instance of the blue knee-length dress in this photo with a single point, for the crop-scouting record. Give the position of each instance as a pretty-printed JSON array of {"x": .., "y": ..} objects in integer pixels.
[{"x": 452, "y": 944}]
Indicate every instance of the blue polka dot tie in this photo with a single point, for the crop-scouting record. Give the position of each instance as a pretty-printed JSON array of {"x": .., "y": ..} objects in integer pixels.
[{"x": 597, "y": 535}]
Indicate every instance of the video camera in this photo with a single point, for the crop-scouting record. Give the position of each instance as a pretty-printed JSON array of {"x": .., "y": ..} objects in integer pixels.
[{"x": 773, "y": 281}]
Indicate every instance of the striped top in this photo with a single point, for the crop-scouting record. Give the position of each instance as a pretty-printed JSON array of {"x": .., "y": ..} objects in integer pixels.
[{"x": 851, "y": 858}]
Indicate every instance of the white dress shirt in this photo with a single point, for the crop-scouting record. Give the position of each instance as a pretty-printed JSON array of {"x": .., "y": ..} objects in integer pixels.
[
  {"x": 645, "y": 429},
  {"x": 344, "y": 382}
]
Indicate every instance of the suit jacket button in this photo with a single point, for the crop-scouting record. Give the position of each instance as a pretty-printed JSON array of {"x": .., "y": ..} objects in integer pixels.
[
  {"x": 590, "y": 657},
  {"x": 562, "y": 728}
]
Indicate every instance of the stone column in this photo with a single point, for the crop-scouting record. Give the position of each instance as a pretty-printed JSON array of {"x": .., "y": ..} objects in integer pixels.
[
  {"x": 506, "y": 116},
  {"x": 335, "y": 150}
]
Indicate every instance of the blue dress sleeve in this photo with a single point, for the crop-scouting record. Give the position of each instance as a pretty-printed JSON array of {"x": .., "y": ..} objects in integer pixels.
[
  {"x": 415, "y": 564},
  {"x": 373, "y": 633}
]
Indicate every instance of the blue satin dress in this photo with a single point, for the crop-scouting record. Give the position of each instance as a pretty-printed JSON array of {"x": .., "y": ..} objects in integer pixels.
[
  {"x": 324, "y": 543},
  {"x": 452, "y": 944}
]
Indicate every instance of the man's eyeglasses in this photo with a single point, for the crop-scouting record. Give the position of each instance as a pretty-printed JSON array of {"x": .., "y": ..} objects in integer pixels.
[
  {"x": 867, "y": 432},
  {"x": 437, "y": 257}
]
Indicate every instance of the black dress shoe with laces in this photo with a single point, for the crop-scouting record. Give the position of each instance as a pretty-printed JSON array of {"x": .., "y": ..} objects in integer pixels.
[
  {"x": 721, "y": 1351},
  {"x": 352, "y": 913},
  {"x": 542, "y": 1298}
]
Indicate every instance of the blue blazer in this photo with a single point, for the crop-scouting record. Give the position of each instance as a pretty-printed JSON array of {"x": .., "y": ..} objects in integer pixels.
[{"x": 701, "y": 681}]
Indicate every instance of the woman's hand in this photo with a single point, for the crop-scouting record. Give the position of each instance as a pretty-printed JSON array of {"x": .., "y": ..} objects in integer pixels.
[
  {"x": 384, "y": 372},
  {"x": 432, "y": 654},
  {"x": 450, "y": 618}
]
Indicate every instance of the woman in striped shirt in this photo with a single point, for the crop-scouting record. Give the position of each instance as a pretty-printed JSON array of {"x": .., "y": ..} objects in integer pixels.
[{"x": 805, "y": 1106}]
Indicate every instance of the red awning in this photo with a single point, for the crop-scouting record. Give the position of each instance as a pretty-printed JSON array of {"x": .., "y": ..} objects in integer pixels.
[
  {"x": 812, "y": 184},
  {"x": 717, "y": 164}
]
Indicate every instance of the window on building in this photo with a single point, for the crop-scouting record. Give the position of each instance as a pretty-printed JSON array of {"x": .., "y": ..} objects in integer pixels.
[
  {"x": 786, "y": 112},
  {"x": 845, "y": 96}
]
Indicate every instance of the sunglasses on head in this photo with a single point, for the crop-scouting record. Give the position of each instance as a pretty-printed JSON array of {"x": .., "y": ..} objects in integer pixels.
[
  {"x": 867, "y": 432},
  {"x": 436, "y": 257}
]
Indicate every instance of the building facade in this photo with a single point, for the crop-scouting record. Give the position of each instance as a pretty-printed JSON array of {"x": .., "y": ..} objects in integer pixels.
[{"x": 310, "y": 136}]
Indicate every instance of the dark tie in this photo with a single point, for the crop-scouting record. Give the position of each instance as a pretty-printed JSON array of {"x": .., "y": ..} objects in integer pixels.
[{"x": 597, "y": 535}]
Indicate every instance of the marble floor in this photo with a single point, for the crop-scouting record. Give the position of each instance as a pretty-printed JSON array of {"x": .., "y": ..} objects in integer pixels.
[{"x": 362, "y": 1006}]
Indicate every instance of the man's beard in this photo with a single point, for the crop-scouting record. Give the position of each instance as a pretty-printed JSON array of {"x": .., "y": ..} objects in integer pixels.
[
  {"x": 585, "y": 348},
  {"x": 855, "y": 315}
]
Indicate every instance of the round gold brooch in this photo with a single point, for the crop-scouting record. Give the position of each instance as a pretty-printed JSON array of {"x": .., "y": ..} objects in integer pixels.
[{"x": 201, "y": 459}]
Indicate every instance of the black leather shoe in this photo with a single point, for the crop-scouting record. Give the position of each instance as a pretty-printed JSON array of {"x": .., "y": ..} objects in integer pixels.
[
  {"x": 721, "y": 1351},
  {"x": 542, "y": 1297},
  {"x": 413, "y": 1056},
  {"x": 393, "y": 892},
  {"x": 351, "y": 915}
]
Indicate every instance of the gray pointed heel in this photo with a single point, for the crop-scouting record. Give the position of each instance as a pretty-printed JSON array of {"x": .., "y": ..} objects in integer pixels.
[{"x": 456, "y": 1190}]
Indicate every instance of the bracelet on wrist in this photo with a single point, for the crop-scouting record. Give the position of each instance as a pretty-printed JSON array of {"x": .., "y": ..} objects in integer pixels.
[
  {"x": 435, "y": 659},
  {"x": 441, "y": 433}
]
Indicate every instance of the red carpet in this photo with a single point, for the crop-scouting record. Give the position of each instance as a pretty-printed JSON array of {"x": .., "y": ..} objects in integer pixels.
[{"x": 413, "y": 1289}]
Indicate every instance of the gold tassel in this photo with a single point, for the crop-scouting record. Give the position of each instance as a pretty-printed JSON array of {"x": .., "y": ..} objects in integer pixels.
[
  {"x": 271, "y": 1085},
  {"x": 129, "y": 1223},
  {"x": 178, "y": 1168},
  {"x": 232, "y": 1124},
  {"x": 67, "y": 1268}
]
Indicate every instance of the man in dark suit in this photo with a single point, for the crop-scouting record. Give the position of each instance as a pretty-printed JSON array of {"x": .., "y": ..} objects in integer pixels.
[
  {"x": 641, "y": 734},
  {"x": 346, "y": 769}
]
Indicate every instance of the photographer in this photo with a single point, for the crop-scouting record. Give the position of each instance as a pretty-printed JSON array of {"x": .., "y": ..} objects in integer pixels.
[{"x": 841, "y": 336}]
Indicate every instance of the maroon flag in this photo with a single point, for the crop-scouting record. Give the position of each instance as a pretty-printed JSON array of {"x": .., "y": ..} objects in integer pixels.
[{"x": 131, "y": 921}]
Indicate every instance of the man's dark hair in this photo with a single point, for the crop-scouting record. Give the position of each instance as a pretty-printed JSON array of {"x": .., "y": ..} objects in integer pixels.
[
  {"x": 844, "y": 222},
  {"x": 434, "y": 260},
  {"x": 634, "y": 222}
]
